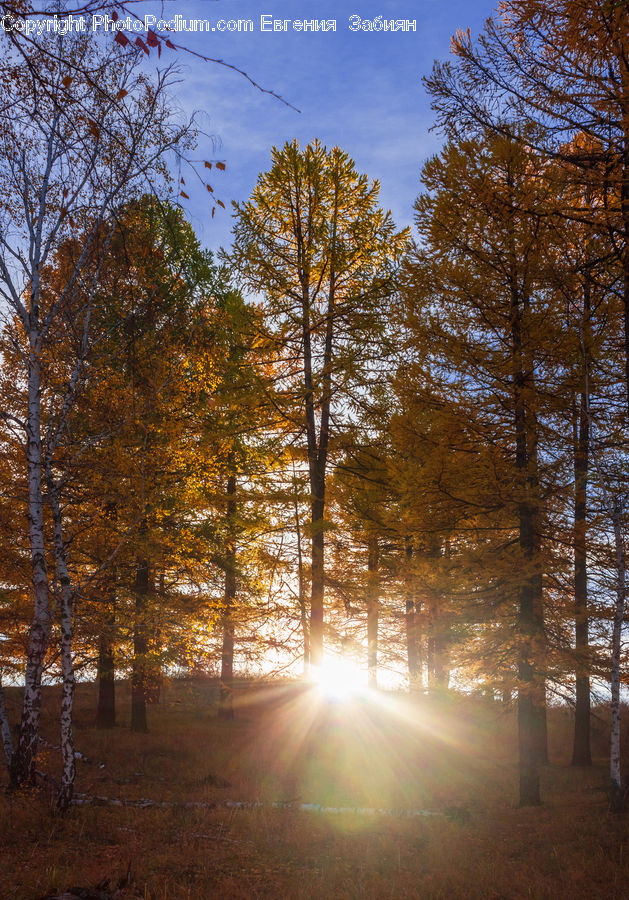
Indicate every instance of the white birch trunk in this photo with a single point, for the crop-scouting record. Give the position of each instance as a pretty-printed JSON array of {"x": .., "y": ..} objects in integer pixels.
[
  {"x": 23, "y": 763},
  {"x": 67, "y": 667}
]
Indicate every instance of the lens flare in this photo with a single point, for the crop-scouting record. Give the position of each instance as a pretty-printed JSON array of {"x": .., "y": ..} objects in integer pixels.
[{"x": 338, "y": 679}]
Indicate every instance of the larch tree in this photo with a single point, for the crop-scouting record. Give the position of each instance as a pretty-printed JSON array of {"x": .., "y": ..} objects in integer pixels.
[
  {"x": 155, "y": 365},
  {"x": 479, "y": 279},
  {"x": 313, "y": 240}
]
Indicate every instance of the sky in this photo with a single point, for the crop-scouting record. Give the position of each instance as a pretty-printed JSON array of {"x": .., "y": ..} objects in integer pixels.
[{"x": 359, "y": 90}]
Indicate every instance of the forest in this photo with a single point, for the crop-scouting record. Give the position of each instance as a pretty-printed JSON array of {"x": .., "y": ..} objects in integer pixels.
[{"x": 381, "y": 464}]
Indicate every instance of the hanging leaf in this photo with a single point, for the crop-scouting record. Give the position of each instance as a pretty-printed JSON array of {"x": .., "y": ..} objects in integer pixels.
[
  {"x": 210, "y": 188},
  {"x": 94, "y": 129},
  {"x": 121, "y": 39},
  {"x": 152, "y": 39},
  {"x": 170, "y": 44},
  {"x": 67, "y": 81},
  {"x": 121, "y": 94},
  {"x": 140, "y": 43},
  {"x": 183, "y": 194},
  {"x": 182, "y": 181},
  {"x": 114, "y": 16},
  {"x": 220, "y": 203},
  {"x": 208, "y": 165},
  {"x": 213, "y": 211},
  {"x": 220, "y": 165}
]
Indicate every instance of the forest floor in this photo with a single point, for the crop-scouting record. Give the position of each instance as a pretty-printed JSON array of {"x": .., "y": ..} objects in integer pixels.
[{"x": 454, "y": 758}]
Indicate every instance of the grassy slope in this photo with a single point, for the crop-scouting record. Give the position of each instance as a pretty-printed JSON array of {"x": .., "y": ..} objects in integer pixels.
[{"x": 285, "y": 744}]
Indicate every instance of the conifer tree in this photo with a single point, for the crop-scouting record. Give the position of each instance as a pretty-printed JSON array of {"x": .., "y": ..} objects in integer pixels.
[{"x": 314, "y": 242}]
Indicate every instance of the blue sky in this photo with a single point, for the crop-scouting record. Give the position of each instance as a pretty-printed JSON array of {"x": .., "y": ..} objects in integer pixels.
[{"x": 359, "y": 90}]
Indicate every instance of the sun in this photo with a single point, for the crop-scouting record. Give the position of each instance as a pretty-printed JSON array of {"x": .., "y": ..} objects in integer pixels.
[{"x": 338, "y": 679}]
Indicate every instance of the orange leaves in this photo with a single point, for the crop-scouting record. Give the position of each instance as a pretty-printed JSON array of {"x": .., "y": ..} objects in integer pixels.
[
  {"x": 209, "y": 188},
  {"x": 121, "y": 39},
  {"x": 67, "y": 81}
]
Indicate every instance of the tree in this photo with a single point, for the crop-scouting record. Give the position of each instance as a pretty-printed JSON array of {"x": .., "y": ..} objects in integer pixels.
[
  {"x": 313, "y": 241},
  {"x": 109, "y": 146},
  {"x": 563, "y": 68},
  {"x": 479, "y": 288}
]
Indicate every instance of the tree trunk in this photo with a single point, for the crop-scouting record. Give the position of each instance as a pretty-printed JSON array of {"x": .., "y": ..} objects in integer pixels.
[
  {"x": 541, "y": 723},
  {"x": 437, "y": 652},
  {"x": 531, "y": 693},
  {"x": 581, "y": 753},
  {"x": 106, "y": 706},
  {"x": 226, "y": 705},
  {"x": 140, "y": 649},
  {"x": 317, "y": 582},
  {"x": 373, "y": 612},
  {"x": 24, "y": 758},
  {"x": 413, "y": 637},
  {"x": 68, "y": 774},
  {"x": 301, "y": 586},
  {"x": 624, "y": 206},
  {"x": 5, "y": 729},
  {"x": 616, "y": 793}
]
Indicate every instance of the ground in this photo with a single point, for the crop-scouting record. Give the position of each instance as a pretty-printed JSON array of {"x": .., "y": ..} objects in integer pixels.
[{"x": 453, "y": 756}]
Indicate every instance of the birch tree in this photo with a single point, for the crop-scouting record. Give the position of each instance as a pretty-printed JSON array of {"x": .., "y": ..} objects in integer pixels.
[{"x": 71, "y": 151}]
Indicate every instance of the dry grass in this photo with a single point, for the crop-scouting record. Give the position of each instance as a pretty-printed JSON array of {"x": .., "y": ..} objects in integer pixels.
[{"x": 285, "y": 744}]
